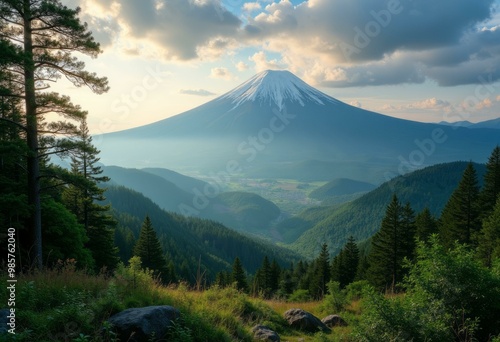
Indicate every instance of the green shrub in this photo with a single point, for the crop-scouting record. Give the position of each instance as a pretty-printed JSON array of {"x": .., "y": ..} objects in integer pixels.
[
  {"x": 354, "y": 291},
  {"x": 299, "y": 296},
  {"x": 449, "y": 296},
  {"x": 335, "y": 299}
]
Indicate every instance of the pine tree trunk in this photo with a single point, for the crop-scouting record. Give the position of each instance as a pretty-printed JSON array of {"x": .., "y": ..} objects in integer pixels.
[{"x": 32, "y": 138}]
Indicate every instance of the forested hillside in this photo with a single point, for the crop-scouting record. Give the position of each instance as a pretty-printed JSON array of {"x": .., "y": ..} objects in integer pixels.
[
  {"x": 427, "y": 188},
  {"x": 188, "y": 241},
  {"x": 245, "y": 212}
]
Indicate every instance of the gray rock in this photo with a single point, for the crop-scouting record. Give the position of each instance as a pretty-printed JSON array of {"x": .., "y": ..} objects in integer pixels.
[
  {"x": 264, "y": 333},
  {"x": 305, "y": 321},
  {"x": 332, "y": 321},
  {"x": 140, "y": 324}
]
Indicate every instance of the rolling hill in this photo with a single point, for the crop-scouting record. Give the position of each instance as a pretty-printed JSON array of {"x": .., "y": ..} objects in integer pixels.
[
  {"x": 340, "y": 187},
  {"x": 186, "y": 241},
  {"x": 430, "y": 187},
  {"x": 245, "y": 212}
]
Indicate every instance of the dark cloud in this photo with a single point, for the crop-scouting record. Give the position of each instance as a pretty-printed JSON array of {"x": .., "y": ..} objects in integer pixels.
[
  {"x": 378, "y": 42},
  {"x": 180, "y": 27},
  {"x": 372, "y": 74}
]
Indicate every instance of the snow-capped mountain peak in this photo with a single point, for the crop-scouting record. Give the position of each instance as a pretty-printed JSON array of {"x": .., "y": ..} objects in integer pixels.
[{"x": 275, "y": 87}]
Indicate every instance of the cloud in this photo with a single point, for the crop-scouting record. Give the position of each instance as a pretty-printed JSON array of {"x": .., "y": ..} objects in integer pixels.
[
  {"x": 262, "y": 63},
  {"x": 251, "y": 6},
  {"x": 393, "y": 71},
  {"x": 197, "y": 92},
  {"x": 241, "y": 66},
  {"x": 383, "y": 41},
  {"x": 177, "y": 29},
  {"x": 222, "y": 73},
  {"x": 432, "y": 104},
  {"x": 341, "y": 43}
]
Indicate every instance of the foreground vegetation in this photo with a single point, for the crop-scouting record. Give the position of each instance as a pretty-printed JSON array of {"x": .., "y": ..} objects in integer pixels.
[{"x": 447, "y": 296}]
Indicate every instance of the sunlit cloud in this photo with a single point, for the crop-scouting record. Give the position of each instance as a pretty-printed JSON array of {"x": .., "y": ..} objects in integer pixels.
[
  {"x": 222, "y": 73},
  {"x": 196, "y": 92},
  {"x": 262, "y": 63}
]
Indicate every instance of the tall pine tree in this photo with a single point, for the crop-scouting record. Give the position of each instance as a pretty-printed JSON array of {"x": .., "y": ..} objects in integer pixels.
[
  {"x": 83, "y": 200},
  {"x": 491, "y": 188},
  {"x": 460, "y": 217},
  {"x": 345, "y": 264},
  {"x": 489, "y": 238},
  {"x": 238, "y": 276},
  {"x": 45, "y": 34},
  {"x": 321, "y": 273},
  {"x": 425, "y": 225},
  {"x": 149, "y": 249},
  {"x": 390, "y": 245}
]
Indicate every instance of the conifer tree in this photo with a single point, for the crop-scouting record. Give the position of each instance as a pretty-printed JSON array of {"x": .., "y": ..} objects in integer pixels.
[
  {"x": 149, "y": 249},
  {"x": 44, "y": 34},
  {"x": 489, "y": 238},
  {"x": 321, "y": 273},
  {"x": 274, "y": 276},
  {"x": 425, "y": 225},
  {"x": 222, "y": 279},
  {"x": 238, "y": 276},
  {"x": 460, "y": 217},
  {"x": 339, "y": 268},
  {"x": 83, "y": 200},
  {"x": 389, "y": 248},
  {"x": 491, "y": 187},
  {"x": 351, "y": 256},
  {"x": 408, "y": 226},
  {"x": 13, "y": 150},
  {"x": 263, "y": 277}
]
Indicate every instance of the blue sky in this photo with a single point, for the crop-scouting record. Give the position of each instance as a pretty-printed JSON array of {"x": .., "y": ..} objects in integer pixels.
[{"x": 424, "y": 60}]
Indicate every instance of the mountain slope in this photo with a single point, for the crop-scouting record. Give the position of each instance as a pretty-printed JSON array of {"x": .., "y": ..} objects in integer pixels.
[
  {"x": 340, "y": 187},
  {"x": 164, "y": 193},
  {"x": 430, "y": 187},
  {"x": 186, "y": 241},
  {"x": 275, "y": 120},
  {"x": 245, "y": 212},
  {"x": 183, "y": 182}
]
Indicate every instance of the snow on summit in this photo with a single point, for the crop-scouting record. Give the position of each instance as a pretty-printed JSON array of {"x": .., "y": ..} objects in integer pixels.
[{"x": 276, "y": 87}]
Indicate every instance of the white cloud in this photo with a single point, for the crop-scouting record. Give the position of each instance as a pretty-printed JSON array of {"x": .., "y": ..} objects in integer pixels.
[
  {"x": 251, "y": 6},
  {"x": 356, "y": 104},
  {"x": 222, "y": 73},
  {"x": 241, "y": 66},
  {"x": 197, "y": 92},
  {"x": 262, "y": 63}
]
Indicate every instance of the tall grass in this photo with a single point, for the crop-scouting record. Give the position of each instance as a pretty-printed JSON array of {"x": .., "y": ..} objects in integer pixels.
[{"x": 67, "y": 304}]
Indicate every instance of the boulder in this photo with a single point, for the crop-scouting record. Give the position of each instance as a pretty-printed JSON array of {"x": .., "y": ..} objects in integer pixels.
[
  {"x": 141, "y": 324},
  {"x": 332, "y": 321},
  {"x": 263, "y": 333},
  {"x": 305, "y": 321}
]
